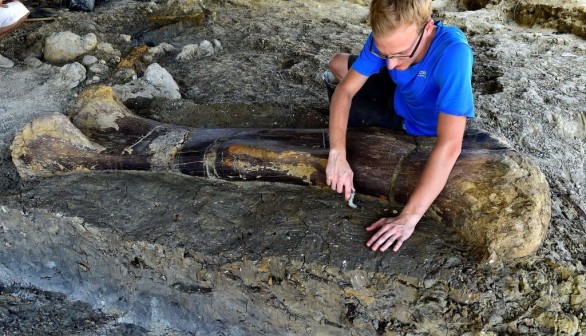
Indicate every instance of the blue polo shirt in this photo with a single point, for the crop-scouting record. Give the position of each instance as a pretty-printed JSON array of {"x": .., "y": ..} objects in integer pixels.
[{"x": 440, "y": 82}]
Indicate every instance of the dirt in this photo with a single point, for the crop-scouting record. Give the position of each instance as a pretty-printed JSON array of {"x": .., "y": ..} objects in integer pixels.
[{"x": 529, "y": 85}]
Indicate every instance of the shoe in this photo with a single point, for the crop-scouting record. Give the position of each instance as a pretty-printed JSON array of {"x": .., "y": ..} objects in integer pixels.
[
  {"x": 330, "y": 79},
  {"x": 331, "y": 82},
  {"x": 5, "y": 62}
]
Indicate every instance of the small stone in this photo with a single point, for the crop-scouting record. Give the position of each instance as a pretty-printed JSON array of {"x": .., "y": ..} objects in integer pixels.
[
  {"x": 99, "y": 68},
  {"x": 161, "y": 49},
  {"x": 124, "y": 75},
  {"x": 5, "y": 62},
  {"x": 106, "y": 51},
  {"x": 578, "y": 297},
  {"x": 452, "y": 262},
  {"x": 217, "y": 45},
  {"x": 125, "y": 38},
  {"x": 157, "y": 82},
  {"x": 187, "y": 53},
  {"x": 89, "y": 60},
  {"x": 70, "y": 75},
  {"x": 32, "y": 62},
  {"x": 206, "y": 48},
  {"x": 147, "y": 58},
  {"x": 495, "y": 319},
  {"x": 428, "y": 283}
]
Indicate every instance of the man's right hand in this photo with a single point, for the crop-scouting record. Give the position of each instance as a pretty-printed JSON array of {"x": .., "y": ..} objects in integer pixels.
[{"x": 339, "y": 174}]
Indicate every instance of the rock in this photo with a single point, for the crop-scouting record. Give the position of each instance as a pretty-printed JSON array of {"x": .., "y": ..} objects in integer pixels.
[
  {"x": 205, "y": 48},
  {"x": 70, "y": 76},
  {"x": 191, "y": 51},
  {"x": 148, "y": 58},
  {"x": 156, "y": 82},
  {"x": 564, "y": 16},
  {"x": 578, "y": 297},
  {"x": 217, "y": 45},
  {"x": 161, "y": 49},
  {"x": 125, "y": 37},
  {"x": 145, "y": 238},
  {"x": 99, "y": 68},
  {"x": 32, "y": 62},
  {"x": 89, "y": 60},
  {"x": 187, "y": 53},
  {"x": 5, "y": 62},
  {"x": 562, "y": 324},
  {"x": 66, "y": 46},
  {"x": 124, "y": 75},
  {"x": 106, "y": 51}
]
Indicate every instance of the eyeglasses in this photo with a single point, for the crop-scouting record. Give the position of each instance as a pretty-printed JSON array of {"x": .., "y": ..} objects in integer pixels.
[{"x": 390, "y": 57}]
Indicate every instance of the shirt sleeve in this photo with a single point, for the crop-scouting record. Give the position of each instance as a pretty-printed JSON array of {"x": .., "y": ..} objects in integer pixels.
[
  {"x": 455, "y": 81},
  {"x": 367, "y": 64}
]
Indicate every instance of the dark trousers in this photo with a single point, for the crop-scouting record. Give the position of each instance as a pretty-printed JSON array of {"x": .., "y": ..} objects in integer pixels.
[{"x": 373, "y": 104}]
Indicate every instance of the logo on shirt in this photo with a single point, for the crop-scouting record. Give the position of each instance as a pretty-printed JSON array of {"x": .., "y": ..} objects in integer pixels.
[{"x": 422, "y": 74}]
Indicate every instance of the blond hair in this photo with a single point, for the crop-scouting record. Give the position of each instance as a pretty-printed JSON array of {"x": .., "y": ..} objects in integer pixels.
[{"x": 387, "y": 15}]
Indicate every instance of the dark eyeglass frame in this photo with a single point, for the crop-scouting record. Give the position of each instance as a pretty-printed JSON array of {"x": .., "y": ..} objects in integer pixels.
[{"x": 391, "y": 57}]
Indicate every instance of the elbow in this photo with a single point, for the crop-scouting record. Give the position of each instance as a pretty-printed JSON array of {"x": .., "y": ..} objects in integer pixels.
[{"x": 449, "y": 151}]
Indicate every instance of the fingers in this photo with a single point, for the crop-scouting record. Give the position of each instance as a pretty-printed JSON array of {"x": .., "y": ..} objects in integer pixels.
[
  {"x": 376, "y": 225},
  {"x": 339, "y": 176},
  {"x": 388, "y": 234},
  {"x": 348, "y": 192},
  {"x": 341, "y": 185},
  {"x": 384, "y": 240},
  {"x": 398, "y": 245},
  {"x": 379, "y": 234},
  {"x": 393, "y": 239}
]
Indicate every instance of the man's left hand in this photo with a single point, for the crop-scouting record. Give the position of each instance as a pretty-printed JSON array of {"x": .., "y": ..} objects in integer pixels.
[{"x": 392, "y": 230}]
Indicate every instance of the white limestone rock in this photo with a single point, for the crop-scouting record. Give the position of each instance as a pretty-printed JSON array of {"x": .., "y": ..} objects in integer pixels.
[
  {"x": 88, "y": 60},
  {"x": 206, "y": 48},
  {"x": 156, "y": 83},
  {"x": 66, "y": 46},
  {"x": 188, "y": 53},
  {"x": 69, "y": 76},
  {"x": 161, "y": 49}
]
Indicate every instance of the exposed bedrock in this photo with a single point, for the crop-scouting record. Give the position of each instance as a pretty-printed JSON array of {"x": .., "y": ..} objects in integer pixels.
[
  {"x": 563, "y": 16},
  {"x": 173, "y": 252},
  {"x": 495, "y": 199}
]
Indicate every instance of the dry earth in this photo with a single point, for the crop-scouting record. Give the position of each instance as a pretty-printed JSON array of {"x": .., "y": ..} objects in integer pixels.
[{"x": 529, "y": 87}]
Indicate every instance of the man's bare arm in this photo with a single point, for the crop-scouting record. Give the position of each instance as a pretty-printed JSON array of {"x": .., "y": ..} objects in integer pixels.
[
  {"x": 395, "y": 230},
  {"x": 338, "y": 172}
]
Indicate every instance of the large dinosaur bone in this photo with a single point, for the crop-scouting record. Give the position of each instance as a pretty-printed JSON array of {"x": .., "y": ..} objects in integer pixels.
[{"x": 495, "y": 199}]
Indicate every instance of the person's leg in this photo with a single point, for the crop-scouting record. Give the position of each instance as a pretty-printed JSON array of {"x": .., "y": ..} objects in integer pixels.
[
  {"x": 8, "y": 29},
  {"x": 11, "y": 17},
  {"x": 339, "y": 65}
]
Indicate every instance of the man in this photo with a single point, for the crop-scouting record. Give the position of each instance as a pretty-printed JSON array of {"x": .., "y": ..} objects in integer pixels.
[
  {"x": 12, "y": 15},
  {"x": 430, "y": 94}
]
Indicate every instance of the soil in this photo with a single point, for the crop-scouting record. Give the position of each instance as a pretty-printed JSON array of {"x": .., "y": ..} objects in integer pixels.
[{"x": 529, "y": 85}]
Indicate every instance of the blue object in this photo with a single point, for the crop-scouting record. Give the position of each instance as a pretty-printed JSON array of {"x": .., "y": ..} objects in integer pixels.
[{"x": 440, "y": 82}]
